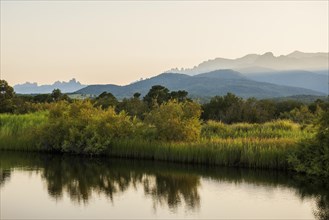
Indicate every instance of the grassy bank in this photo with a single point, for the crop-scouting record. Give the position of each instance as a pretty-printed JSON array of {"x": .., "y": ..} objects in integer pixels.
[
  {"x": 235, "y": 152},
  {"x": 242, "y": 145},
  {"x": 17, "y": 132}
]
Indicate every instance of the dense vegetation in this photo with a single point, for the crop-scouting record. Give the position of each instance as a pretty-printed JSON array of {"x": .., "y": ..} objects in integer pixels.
[
  {"x": 312, "y": 155},
  {"x": 169, "y": 126}
]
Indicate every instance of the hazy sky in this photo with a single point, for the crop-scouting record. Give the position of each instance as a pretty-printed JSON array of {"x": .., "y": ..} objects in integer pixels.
[{"x": 120, "y": 42}]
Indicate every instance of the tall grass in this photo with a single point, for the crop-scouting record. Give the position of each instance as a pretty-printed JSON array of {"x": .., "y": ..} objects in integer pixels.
[
  {"x": 265, "y": 145},
  {"x": 239, "y": 152},
  {"x": 17, "y": 132},
  {"x": 275, "y": 129}
]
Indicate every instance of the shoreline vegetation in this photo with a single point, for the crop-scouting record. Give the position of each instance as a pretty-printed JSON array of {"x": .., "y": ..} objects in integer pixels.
[
  {"x": 167, "y": 126},
  {"x": 266, "y": 145}
]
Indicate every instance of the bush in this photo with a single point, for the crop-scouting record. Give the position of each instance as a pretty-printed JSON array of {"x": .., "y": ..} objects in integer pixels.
[
  {"x": 214, "y": 128},
  {"x": 82, "y": 128},
  {"x": 176, "y": 121},
  {"x": 312, "y": 155}
]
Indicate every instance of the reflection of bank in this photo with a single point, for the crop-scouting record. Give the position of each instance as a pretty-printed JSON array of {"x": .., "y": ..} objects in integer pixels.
[
  {"x": 168, "y": 184},
  {"x": 4, "y": 176}
]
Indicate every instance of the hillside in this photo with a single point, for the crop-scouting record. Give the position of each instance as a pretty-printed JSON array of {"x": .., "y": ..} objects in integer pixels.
[
  {"x": 298, "y": 78},
  {"x": 208, "y": 84}
]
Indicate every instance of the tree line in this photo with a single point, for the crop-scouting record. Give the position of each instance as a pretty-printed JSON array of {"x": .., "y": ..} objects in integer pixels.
[{"x": 227, "y": 109}]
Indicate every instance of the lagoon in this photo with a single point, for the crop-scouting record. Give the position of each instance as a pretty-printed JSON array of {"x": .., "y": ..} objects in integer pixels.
[{"x": 54, "y": 186}]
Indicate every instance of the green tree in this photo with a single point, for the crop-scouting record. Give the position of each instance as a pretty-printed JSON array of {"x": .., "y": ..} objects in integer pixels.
[
  {"x": 133, "y": 106},
  {"x": 257, "y": 111},
  {"x": 156, "y": 96},
  {"x": 6, "y": 97},
  {"x": 106, "y": 100},
  {"x": 57, "y": 95},
  {"x": 180, "y": 95},
  {"x": 301, "y": 115},
  {"x": 223, "y": 108},
  {"x": 286, "y": 106}
]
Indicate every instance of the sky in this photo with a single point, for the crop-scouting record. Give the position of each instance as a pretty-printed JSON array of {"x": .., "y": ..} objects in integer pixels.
[{"x": 115, "y": 42}]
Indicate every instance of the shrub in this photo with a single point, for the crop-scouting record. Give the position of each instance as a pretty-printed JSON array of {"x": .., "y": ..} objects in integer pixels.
[
  {"x": 312, "y": 155},
  {"x": 82, "y": 128},
  {"x": 176, "y": 121}
]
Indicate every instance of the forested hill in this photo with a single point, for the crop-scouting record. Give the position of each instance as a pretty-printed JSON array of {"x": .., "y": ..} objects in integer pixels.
[{"x": 209, "y": 84}]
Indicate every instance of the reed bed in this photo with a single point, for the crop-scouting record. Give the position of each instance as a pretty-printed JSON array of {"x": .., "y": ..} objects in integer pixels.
[
  {"x": 275, "y": 129},
  {"x": 264, "y": 146},
  {"x": 17, "y": 131},
  {"x": 233, "y": 152}
]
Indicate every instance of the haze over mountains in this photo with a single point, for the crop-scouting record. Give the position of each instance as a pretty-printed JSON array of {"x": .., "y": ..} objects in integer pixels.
[
  {"x": 267, "y": 62},
  {"x": 34, "y": 88},
  {"x": 209, "y": 84},
  {"x": 260, "y": 76}
]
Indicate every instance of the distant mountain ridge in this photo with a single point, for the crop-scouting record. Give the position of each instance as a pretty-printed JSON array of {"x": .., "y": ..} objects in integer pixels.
[
  {"x": 34, "y": 88},
  {"x": 208, "y": 84},
  {"x": 298, "y": 78},
  {"x": 261, "y": 76},
  {"x": 294, "y": 61}
]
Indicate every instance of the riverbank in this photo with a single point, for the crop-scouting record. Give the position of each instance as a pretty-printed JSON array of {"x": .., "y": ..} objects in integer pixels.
[{"x": 265, "y": 145}]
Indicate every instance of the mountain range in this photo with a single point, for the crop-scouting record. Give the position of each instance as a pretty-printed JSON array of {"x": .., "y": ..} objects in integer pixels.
[
  {"x": 34, "y": 88},
  {"x": 260, "y": 76},
  {"x": 267, "y": 62},
  {"x": 218, "y": 82}
]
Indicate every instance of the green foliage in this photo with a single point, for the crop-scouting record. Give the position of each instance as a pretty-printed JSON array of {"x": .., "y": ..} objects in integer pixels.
[
  {"x": 275, "y": 129},
  {"x": 237, "y": 152},
  {"x": 176, "y": 121},
  {"x": 133, "y": 106},
  {"x": 160, "y": 94},
  {"x": 312, "y": 155},
  {"x": 106, "y": 100},
  {"x": 156, "y": 96},
  {"x": 223, "y": 108},
  {"x": 57, "y": 95},
  {"x": 6, "y": 97},
  {"x": 163, "y": 125},
  {"x": 19, "y": 131},
  {"x": 302, "y": 115},
  {"x": 81, "y": 128}
]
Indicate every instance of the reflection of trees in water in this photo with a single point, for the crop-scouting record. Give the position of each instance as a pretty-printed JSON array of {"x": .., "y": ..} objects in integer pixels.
[
  {"x": 316, "y": 188},
  {"x": 171, "y": 189},
  {"x": 4, "y": 176},
  {"x": 322, "y": 211},
  {"x": 81, "y": 177},
  {"x": 167, "y": 184}
]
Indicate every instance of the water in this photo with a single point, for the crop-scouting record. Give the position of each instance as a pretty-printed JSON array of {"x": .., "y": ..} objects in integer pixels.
[{"x": 41, "y": 186}]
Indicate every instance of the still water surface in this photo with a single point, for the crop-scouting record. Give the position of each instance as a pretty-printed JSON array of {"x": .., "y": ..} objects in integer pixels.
[{"x": 41, "y": 186}]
